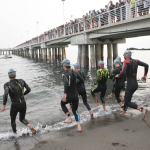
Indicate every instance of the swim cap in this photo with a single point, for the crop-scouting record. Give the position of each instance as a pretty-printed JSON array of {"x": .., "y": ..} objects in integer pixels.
[
  {"x": 100, "y": 63},
  {"x": 119, "y": 58},
  {"x": 11, "y": 73},
  {"x": 77, "y": 65},
  {"x": 66, "y": 62},
  {"x": 116, "y": 61},
  {"x": 128, "y": 53}
]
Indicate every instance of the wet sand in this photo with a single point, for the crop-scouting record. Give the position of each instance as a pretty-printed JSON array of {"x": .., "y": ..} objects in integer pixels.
[{"x": 111, "y": 132}]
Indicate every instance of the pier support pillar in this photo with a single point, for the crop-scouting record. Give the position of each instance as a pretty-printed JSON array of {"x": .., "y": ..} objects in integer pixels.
[
  {"x": 49, "y": 54},
  {"x": 53, "y": 53},
  {"x": 84, "y": 56},
  {"x": 99, "y": 52},
  {"x": 115, "y": 51},
  {"x": 31, "y": 54},
  {"x": 56, "y": 53},
  {"x": 109, "y": 55},
  {"x": 93, "y": 60},
  {"x": 44, "y": 54},
  {"x": 79, "y": 54},
  {"x": 59, "y": 53},
  {"x": 87, "y": 55},
  {"x": 36, "y": 52},
  {"x": 40, "y": 53},
  {"x": 63, "y": 53},
  {"x": 24, "y": 53}
]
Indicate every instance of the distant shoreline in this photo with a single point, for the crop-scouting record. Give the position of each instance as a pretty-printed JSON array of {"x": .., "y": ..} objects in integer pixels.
[{"x": 132, "y": 48}]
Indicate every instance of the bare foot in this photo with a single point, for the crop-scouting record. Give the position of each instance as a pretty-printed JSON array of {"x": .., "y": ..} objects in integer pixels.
[
  {"x": 92, "y": 117},
  {"x": 97, "y": 104},
  {"x": 69, "y": 108},
  {"x": 68, "y": 121},
  {"x": 144, "y": 112},
  {"x": 123, "y": 113},
  {"x": 79, "y": 129},
  {"x": 110, "y": 95},
  {"x": 33, "y": 130}
]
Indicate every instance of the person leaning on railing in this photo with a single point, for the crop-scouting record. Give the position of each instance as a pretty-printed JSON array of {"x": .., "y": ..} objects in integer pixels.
[
  {"x": 112, "y": 12},
  {"x": 123, "y": 8},
  {"x": 146, "y": 7},
  {"x": 117, "y": 12}
]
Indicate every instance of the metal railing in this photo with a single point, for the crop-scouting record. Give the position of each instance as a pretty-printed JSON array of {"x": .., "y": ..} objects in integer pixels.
[{"x": 93, "y": 20}]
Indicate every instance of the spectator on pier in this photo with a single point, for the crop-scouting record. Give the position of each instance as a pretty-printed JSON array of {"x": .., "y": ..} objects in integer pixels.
[
  {"x": 146, "y": 7},
  {"x": 132, "y": 7},
  {"x": 117, "y": 12},
  {"x": 123, "y": 9},
  {"x": 112, "y": 12}
]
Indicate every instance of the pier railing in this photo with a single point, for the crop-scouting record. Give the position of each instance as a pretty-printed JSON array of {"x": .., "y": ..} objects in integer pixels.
[{"x": 125, "y": 12}]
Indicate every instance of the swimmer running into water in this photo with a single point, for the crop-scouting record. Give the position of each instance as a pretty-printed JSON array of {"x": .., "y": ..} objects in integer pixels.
[
  {"x": 15, "y": 89},
  {"x": 102, "y": 76},
  {"x": 70, "y": 92},
  {"x": 130, "y": 67}
]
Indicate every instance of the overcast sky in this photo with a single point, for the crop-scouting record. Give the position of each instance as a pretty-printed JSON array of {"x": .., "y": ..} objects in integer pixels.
[{"x": 18, "y": 19}]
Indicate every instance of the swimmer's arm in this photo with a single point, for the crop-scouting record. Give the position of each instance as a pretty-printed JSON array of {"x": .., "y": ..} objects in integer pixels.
[
  {"x": 124, "y": 69},
  {"x": 28, "y": 89},
  {"x": 140, "y": 63},
  {"x": 98, "y": 77},
  {"x": 79, "y": 77},
  {"x": 65, "y": 83},
  {"x": 5, "y": 96},
  {"x": 78, "y": 81}
]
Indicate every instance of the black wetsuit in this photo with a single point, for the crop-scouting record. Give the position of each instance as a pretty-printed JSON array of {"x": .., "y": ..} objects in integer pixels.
[
  {"x": 119, "y": 84},
  {"x": 70, "y": 88},
  {"x": 114, "y": 85},
  {"x": 15, "y": 89},
  {"x": 130, "y": 67},
  {"x": 81, "y": 90},
  {"x": 102, "y": 76}
]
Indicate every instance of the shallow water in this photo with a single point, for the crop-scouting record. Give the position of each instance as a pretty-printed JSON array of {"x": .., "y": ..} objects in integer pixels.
[{"x": 43, "y": 103}]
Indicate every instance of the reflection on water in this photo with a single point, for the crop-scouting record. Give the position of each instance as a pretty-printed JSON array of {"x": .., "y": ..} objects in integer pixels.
[{"x": 43, "y": 103}]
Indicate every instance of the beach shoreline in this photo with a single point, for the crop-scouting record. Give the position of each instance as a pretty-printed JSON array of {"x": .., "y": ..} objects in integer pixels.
[{"x": 103, "y": 133}]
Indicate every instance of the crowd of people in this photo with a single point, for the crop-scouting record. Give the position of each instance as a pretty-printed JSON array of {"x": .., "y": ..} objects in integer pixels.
[
  {"x": 122, "y": 10},
  {"x": 74, "y": 85}
]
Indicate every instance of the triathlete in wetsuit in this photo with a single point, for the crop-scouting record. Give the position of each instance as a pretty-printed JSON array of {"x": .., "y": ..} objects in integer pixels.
[
  {"x": 130, "y": 67},
  {"x": 113, "y": 90},
  {"x": 119, "y": 84},
  {"x": 81, "y": 88},
  {"x": 15, "y": 89},
  {"x": 102, "y": 76},
  {"x": 70, "y": 92}
]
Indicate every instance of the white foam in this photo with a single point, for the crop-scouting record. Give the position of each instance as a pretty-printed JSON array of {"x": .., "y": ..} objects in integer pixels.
[{"x": 85, "y": 116}]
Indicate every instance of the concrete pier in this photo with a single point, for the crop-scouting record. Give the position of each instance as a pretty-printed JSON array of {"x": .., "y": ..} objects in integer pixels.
[
  {"x": 93, "y": 59},
  {"x": 109, "y": 55},
  {"x": 115, "y": 51},
  {"x": 79, "y": 54}
]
